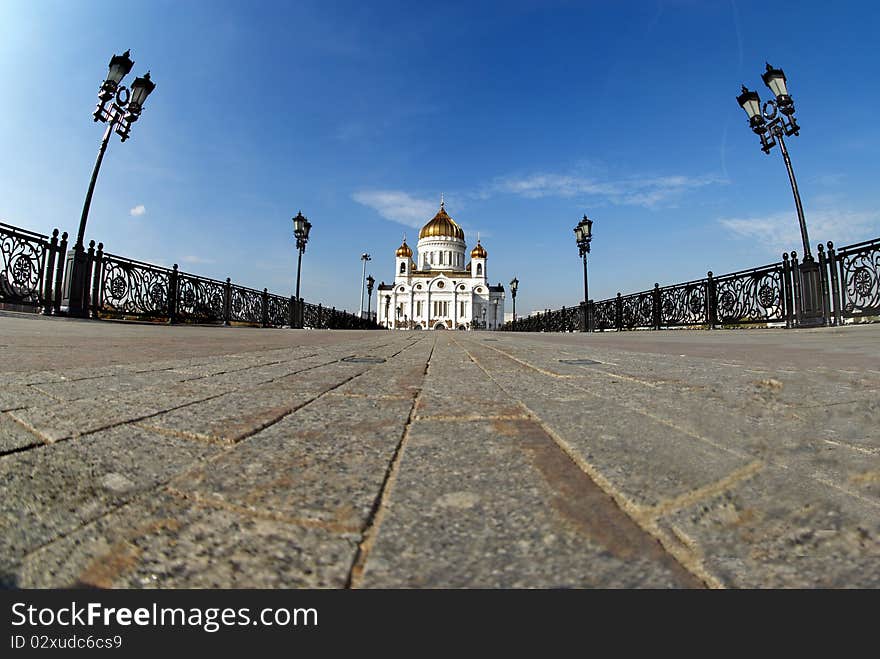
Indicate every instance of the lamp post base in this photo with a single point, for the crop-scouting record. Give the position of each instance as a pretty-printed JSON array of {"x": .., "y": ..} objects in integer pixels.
[
  {"x": 75, "y": 283},
  {"x": 811, "y": 312}
]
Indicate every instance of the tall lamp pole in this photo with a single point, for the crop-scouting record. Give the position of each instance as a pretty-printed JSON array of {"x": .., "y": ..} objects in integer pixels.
[
  {"x": 583, "y": 234},
  {"x": 496, "y": 312},
  {"x": 301, "y": 229},
  {"x": 514, "y": 284},
  {"x": 118, "y": 107},
  {"x": 364, "y": 257},
  {"x": 772, "y": 122},
  {"x": 370, "y": 282}
]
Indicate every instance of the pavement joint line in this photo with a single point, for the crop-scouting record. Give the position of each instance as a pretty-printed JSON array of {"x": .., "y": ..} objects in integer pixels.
[
  {"x": 689, "y": 560},
  {"x": 371, "y": 529},
  {"x": 709, "y": 490},
  {"x": 561, "y": 376},
  {"x": 834, "y": 404},
  {"x": 232, "y": 446},
  {"x": 643, "y": 412},
  {"x": 49, "y": 440},
  {"x": 861, "y": 449},
  {"x": 473, "y": 417},
  {"x": 840, "y": 488},
  {"x": 349, "y": 394},
  {"x": 143, "y": 494},
  {"x": 57, "y": 399},
  {"x": 306, "y": 522}
]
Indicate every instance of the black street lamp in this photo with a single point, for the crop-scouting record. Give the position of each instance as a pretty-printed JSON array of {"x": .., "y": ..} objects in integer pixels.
[
  {"x": 772, "y": 122},
  {"x": 484, "y": 317},
  {"x": 118, "y": 107},
  {"x": 583, "y": 234},
  {"x": 387, "y": 305},
  {"x": 496, "y": 313},
  {"x": 514, "y": 284},
  {"x": 370, "y": 282},
  {"x": 301, "y": 229},
  {"x": 364, "y": 257}
]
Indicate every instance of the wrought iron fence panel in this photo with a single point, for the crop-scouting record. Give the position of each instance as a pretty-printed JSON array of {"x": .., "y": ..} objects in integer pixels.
[
  {"x": 638, "y": 310},
  {"x": 246, "y": 305},
  {"x": 314, "y": 316},
  {"x": 751, "y": 296},
  {"x": 132, "y": 288},
  {"x": 199, "y": 299},
  {"x": 604, "y": 314},
  {"x": 860, "y": 278},
  {"x": 279, "y": 311},
  {"x": 23, "y": 265},
  {"x": 684, "y": 304}
]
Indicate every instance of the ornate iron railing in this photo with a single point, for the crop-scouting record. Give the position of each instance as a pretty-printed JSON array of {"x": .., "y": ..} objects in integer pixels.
[
  {"x": 767, "y": 295},
  {"x": 199, "y": 299},
  {"x": 31, "y": 267},
  {"x": 855, "y": 279},
  {"x": 129, "y": 288}
]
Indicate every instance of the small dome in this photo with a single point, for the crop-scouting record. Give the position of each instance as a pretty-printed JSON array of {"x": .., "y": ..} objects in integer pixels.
[
  {"x": 441, "y": 225},
  {"x": 404, "y": 251},
  {"x": 479, "y": 252}
]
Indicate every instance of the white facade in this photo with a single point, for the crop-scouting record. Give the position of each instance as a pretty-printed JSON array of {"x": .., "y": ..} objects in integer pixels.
[{"x": 441, "y": 289}]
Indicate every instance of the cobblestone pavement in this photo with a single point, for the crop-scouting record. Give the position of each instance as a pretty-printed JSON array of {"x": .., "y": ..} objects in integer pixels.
[{"x": 145, "y": 456}]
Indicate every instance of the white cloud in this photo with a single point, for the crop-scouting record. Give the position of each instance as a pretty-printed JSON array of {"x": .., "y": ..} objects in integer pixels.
[
  {"x": 779, "y": 232},
  {"x": 138, "y": 210},
  {"x": 648, "y": 192},
  {"x": 397, "y": 206}
]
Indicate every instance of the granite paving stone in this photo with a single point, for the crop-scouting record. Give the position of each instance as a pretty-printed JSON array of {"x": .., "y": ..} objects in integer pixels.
[
  {"x": 49, "y": 491},
  {"x": 167, "y": 542},
  {"x": 325, "y": 463},
  {"x": 14, "y": 436},
  {"x": 489, "y": 505},
  {"x": 137, "y": 455}
]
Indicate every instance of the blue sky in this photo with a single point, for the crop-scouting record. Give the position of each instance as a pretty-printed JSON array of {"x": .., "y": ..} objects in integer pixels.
[{"x": 525, "y": 115}]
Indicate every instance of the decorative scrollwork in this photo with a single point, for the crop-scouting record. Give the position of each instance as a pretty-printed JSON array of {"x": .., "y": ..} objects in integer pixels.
[
  {"x": 860, "y": 275},
  {"x": 684, "y": 304},
  {"x": 279, "y": 311},
  {"x": 637, "y": 310},
  {"x": 751, "y": 296},
  {"x": 22, "y": 260},
  {"x": 247, "y": 305},
  {"x": 199, "y": 299},
  {"x": 605, "y": 314},
  {"x": 131, "y": 288}
]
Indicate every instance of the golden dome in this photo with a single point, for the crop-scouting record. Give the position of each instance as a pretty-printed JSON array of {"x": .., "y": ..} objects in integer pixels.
[
  {"x": 441, "y": 225},
  {"x": 479, "y": 252},
  {"x": 404, "y": 251}
]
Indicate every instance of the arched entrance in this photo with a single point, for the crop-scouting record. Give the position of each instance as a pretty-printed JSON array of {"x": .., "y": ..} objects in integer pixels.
[{"x": 439, "y": 326}]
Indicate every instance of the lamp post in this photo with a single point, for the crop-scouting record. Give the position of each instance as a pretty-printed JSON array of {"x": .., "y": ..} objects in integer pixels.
[
  {"x": 496, "y": 312},
  {"x": 370, "y": 282},
  {"x": 583, "y": 234},
  {"x": 514, "y": 284},
  {"x": 484, "y": 317},
  {"x": 301, "y": 229},
  {"x": 387, "y": 305},
  {"x": 118, "y": 107},
  {"x": 364, "y": 257},
  {"x": 773, "y": 122}
]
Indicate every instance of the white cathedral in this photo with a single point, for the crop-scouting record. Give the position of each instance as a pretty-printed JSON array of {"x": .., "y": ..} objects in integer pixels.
[{"x": 439, "y": 290}]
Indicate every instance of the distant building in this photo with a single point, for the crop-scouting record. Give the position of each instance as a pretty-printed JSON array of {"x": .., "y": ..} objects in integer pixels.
[{"x": 440, "y": 290}]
